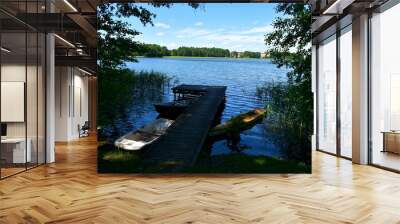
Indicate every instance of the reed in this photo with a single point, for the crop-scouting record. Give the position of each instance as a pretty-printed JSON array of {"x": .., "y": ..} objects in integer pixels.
[
  {"x": 288, "y": 121},
  {"x": 120, "y": 88}
]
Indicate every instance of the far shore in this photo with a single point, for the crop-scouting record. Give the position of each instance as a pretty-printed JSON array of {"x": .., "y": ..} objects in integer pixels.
[{"x": 195, "y": 57}]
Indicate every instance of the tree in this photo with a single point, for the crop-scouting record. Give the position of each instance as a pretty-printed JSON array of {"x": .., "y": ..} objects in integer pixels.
[
  {"x": 115, "y": 37},
  {"x": 116, "y": 44},
  {"x": 234, "y": 54},
  {"x": 154, "y": 50},
  {"x": 291, "y": 40},
  {"x": 291, "y": 109},
  {"x": 250, "y": 54},
  {"x": 201, "y": 52}
]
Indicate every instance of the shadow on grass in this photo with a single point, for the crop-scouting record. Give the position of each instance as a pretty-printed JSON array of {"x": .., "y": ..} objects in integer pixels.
[{"x": 112, "y": 160}]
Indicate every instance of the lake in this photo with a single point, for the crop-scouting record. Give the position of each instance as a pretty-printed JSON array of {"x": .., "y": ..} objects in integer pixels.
[{"x": 241, "y": 76}]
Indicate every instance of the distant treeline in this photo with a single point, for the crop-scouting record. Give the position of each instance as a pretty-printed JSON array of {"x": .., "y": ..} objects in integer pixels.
[
  {"x": 154, "y": 50},
  {"x": 200, "y": 52},
  {"x": 245, "y": 54}
]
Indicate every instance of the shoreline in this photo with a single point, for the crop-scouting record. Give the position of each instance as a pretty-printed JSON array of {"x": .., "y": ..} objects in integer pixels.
[{"x": 199, "y": 57}]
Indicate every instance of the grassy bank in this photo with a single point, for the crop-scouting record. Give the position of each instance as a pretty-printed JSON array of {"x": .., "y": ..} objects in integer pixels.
[
  {"x": 112, "y": 160},
  {"x": 241, "y": 163}
]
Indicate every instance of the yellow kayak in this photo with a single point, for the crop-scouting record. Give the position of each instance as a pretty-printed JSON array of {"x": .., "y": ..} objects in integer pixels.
[{"x": 238, "y": 123}]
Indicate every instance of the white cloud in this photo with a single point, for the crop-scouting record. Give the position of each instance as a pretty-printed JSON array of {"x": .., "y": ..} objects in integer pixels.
[
  {"x": 170, "y": 45},
  {"x": 233, "y": 39},
  {"x": 259, "y": 29},
  {"x": 195, "y": 32},
  {"x": 192, "y": 32},
  {"x": 246, "y": 36},
  {"x": 199, "y": 23},
  {"x": 162, "y": 25},
  {"x": 160, "y": 34}
]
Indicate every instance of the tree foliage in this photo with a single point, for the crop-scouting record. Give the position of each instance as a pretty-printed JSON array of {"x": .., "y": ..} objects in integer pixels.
[
  {"x": 116, "y": 38},
  {"x": 202, "y": 52},
  {"x": 116, "y": 42},
  {"x": 116, "y": 46},
  {"x": 250, "y": 54},
  {"x": 291, "y": 108},
  {"x": 291, "y": 41},
  {"x": 154, "y": 50}
]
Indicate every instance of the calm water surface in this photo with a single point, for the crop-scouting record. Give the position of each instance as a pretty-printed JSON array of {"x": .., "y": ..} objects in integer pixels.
[{"x": 241, "y": 76}]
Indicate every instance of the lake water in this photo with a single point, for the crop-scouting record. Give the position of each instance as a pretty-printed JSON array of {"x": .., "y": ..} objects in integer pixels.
[{"x": 241, "y": 76}]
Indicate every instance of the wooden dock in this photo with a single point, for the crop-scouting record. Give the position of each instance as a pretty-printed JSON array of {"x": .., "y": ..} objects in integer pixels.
[{"x": 180, "y": 146}]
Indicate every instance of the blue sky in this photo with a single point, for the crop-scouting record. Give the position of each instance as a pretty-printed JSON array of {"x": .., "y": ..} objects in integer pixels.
[{"x": 232, "y": 26}]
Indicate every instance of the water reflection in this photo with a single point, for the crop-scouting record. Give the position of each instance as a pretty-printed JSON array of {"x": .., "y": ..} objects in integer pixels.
[{"x": 240, "y": 76}]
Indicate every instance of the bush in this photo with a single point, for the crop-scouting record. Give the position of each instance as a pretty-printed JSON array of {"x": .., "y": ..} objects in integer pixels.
[
  {"x": 289, "y": 118},
  {"x": 119, "y": 87}
]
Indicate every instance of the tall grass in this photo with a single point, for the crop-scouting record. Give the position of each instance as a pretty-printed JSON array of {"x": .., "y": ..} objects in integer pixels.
[
  {"x": 150, "y": 82},
  {"x": 266, "y": 92},
  {"x": 286, "y": 122},
  {"x": 117, "y": 89}
]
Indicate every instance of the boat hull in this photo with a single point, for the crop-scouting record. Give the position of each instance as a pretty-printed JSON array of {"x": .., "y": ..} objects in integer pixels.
[
  {"x": 172, "y": 109},
  {"x": 137, "y": 140},
  {"x": 169, "y": 111},
  {"x": 238, "y": 124}
]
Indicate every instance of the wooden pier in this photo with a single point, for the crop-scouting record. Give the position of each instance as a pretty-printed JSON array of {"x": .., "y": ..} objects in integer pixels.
[{"x": 180, "y": 146}]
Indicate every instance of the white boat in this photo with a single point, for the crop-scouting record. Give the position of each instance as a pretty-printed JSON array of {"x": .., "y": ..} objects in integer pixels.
[{"x": 145, "y": 135}]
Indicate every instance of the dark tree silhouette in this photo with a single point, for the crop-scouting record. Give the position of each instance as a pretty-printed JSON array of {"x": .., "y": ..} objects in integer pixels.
[{"x": 291, "y": 111}]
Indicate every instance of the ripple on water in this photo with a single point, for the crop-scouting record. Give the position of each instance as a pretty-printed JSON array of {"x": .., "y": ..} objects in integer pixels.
[{"x": 241, "y": 76}]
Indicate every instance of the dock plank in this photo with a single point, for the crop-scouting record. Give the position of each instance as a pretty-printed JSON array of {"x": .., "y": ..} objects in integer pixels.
[{"x": 180, "y": 146}]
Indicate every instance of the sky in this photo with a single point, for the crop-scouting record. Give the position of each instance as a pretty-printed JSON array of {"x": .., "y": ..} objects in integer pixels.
[{"x": 237, "y": 27}]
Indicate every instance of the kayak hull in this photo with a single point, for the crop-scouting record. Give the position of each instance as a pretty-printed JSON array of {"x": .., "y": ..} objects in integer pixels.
[{"x": 238, "y": 123}]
